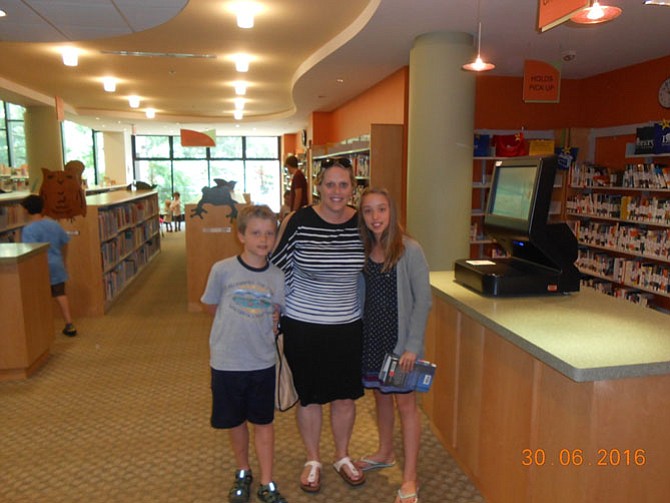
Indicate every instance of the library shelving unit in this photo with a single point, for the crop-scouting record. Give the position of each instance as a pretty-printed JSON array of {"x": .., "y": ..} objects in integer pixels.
[
  {"x": 622, "y": 222},
  {"x": 110, "y": 247},
  {"x": 376, "y": 159},
  {"x": 12, "y": 216}
]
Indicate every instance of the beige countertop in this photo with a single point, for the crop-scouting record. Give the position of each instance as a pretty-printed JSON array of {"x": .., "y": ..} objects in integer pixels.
[
  {"x": 16, "y": 252},
  {"x": 587, "y": 336}
]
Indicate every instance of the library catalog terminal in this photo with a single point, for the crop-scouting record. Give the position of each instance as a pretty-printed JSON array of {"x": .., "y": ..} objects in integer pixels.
[{"x": 540, "y": 255}]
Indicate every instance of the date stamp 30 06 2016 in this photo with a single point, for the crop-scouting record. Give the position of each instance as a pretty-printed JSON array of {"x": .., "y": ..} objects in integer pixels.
[{"x": 580, "y": 457}]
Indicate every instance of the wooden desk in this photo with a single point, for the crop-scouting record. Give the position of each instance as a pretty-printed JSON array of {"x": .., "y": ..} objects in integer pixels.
[
  {"x": 25, "y": 309},
  {"x": 551, "y": 399}
]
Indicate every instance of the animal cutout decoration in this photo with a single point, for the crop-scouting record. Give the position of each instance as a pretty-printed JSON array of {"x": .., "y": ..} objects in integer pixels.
[
  {"x": 62, "y": 193},
  {"x": 138, "y": 185},
  {"x": 220, "y": 195}
]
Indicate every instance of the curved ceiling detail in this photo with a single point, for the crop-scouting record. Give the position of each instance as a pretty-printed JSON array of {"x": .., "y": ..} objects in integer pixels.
[{"x": 76, "y": 20}]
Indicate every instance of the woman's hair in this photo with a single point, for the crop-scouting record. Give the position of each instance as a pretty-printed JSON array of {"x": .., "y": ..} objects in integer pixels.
[
  {"x": 261, "y": 211},
  {"x": 332, "y": 162},
  {"x": 391, "y": 240}
]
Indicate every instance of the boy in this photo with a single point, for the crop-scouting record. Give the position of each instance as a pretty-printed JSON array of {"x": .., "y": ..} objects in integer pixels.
[
  {"x": 43, "y": 229},
  {"x": 243, "y": 293}
]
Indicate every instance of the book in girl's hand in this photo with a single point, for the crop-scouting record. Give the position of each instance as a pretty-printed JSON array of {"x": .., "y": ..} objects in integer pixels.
[{"x": 420, "y": 378}]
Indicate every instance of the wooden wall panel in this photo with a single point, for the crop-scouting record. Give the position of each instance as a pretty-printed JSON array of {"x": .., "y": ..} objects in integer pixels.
[
  {"x": 469, "y": 399},
  {"x": 506, "y": 412}
]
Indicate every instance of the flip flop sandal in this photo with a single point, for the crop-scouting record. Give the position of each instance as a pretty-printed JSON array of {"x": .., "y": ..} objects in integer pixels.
[
  {"x": 313, "y": 482},
  {"x": 339, "y": 468},
  {"x": 366, "y": 464},
  {"x": 407, "y": 498}
]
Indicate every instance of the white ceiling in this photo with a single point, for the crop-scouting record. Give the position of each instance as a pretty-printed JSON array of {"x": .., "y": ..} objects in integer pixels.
[{"x": 301, "y": 49}]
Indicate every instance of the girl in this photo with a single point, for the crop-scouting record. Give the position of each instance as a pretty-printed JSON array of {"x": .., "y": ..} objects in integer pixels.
[
  {"x": 175, "y": 209},
  {"x": 397, "y": 301}
]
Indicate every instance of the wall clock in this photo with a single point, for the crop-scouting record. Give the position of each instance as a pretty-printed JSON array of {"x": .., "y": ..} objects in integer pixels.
[{"x": 664, "y": 93}]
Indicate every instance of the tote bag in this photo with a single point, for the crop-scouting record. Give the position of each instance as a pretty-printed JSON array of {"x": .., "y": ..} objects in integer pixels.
[{"x": 285, "y": 394}]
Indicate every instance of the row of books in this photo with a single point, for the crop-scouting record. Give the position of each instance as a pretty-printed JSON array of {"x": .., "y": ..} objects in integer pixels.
[
  {"x": 113, "y": 250},
  {"x": 590, "y": 175},
  {"x": 116, "y": 279},
  {"x": 12, "y": 215},
  {"x": 652, "y": 210},
  {"x": 119, "y": 217},
  {"x": 652, "y": 243},
  {"x": 635, "y": 273},
  {"x": 646, "y": 176}
]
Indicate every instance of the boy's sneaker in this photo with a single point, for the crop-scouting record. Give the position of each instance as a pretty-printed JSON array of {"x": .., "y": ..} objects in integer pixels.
[
  {"x": 69, "y": 330},
  {"x": 241, "y": 488},
  {"x": 270, "y": 494}
]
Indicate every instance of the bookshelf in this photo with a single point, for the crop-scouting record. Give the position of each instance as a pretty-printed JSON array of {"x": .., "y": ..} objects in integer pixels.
[
  {"x": 622, "y": 222},
  {"x": 12, "y": 216},
  {"x": 377, "y": 160},
  {"x": 109, "y": 248}
]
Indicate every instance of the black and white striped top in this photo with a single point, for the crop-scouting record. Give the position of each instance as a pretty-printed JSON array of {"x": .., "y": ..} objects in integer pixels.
[{"x": 322, "y": 263}]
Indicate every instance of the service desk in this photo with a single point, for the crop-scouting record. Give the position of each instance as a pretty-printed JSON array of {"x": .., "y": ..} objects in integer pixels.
[
  {"x": 25, "y": 309},
  {"x": 553, "y": 398}
]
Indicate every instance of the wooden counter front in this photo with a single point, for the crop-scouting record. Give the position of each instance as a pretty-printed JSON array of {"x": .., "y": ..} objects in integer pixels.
[
  {"x": 505, "y": 407},
  {"x": 208, "y": 240},
  {"x": 25, "y": 309}
]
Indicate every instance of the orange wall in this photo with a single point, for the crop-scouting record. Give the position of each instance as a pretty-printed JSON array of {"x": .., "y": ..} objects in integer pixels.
[
  {"x": 383, "y": 103},
  {"x": 620, "y": 97}
]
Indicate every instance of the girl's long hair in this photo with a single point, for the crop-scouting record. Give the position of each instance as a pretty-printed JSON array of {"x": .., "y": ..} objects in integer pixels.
[{"x": 391, "y": 239}]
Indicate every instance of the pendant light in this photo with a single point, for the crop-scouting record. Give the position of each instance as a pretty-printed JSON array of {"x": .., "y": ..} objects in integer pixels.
[
  {"x": 478, "y": 65},
  {"x": 596, "y": 14}
]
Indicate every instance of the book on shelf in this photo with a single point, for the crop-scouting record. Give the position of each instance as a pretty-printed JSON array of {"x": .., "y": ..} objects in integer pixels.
[{"x": 419, "y": 379}]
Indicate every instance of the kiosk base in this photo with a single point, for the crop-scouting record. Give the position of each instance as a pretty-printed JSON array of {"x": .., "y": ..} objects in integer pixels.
[{"x": 508, "y": 277}]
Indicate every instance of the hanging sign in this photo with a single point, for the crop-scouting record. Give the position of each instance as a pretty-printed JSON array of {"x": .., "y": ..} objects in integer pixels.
[
  {"x": 551, "y": 13},
  {"x": 541, "y": 82},
  {"x": 191, "y": 138}
]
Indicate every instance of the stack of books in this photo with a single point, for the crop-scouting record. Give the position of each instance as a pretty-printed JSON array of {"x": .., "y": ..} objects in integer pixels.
[{"x": 419, "y": 379}]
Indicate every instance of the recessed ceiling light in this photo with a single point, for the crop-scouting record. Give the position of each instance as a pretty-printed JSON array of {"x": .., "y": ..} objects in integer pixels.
[
  {"x": 134, "y": 101},
  {"x": 339, "y": 80},
  {"x": 240, "y": 88},
  {"x": 109, "y": 84},
  {"x": 150, "y": 113},
  {"x": 242, "y": 62},
  {"x": 238, "y": 114},
  {"x": 2, "y": 13},
  {"x": 657, "y": 2},
  {"x": 70, "y": 56}
]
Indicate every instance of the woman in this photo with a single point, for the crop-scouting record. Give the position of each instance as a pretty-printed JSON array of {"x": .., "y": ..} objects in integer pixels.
[
  {"x": 321, "y": 254},
  {"x": 397, "y": 301}
]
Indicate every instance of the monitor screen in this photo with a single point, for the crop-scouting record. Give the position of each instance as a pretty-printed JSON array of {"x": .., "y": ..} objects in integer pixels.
[
  {"x": 520, "y": 196},
  {"x": 513, "y": 192}
]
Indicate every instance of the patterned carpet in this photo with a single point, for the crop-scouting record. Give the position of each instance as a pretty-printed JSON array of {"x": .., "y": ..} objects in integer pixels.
[{"x": 120, "y": 413}]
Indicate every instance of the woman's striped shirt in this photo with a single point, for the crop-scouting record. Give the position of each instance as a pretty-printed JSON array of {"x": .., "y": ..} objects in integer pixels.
[{"x": 322, "y": 263}]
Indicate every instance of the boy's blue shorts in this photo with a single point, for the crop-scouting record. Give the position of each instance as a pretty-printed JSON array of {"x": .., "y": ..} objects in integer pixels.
[{"x": 239, "y": 396}]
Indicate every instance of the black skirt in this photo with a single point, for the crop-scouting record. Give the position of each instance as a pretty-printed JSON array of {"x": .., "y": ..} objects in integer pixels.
[{"x": 325, "y": 360}]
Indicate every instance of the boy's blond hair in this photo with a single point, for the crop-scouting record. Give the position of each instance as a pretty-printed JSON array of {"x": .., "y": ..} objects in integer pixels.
[{"x": 261, "y": 211}]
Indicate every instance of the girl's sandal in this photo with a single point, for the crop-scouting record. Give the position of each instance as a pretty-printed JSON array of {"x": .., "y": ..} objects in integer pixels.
[
  {"x": 313, "y": 484},
  {"x": 407, "y": 498}
]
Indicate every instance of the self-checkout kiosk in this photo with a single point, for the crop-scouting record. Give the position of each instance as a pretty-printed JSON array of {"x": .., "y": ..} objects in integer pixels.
[{"x": 540, "y": 255}]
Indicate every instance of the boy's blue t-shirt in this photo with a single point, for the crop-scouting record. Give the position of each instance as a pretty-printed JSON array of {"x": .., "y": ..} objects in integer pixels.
[
  {"x": 49, "y": 231},
  {"x": 242, "y": 336}
]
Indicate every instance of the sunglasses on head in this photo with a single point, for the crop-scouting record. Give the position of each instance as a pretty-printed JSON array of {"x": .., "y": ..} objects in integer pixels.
[{"x": 342, "y": 162}]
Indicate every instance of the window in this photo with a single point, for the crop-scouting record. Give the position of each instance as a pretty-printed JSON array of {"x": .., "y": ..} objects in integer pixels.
[
  {"x": 12, "y": 135},
  {"x": 251, "y": 162},
  {"x": 78, "y": 146}
]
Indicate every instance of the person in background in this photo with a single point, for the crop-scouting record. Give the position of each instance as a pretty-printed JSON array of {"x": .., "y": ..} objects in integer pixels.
[
  {"x": 321, "y": 254},
  {"x": 242, "y": 294},
  {"x": 397, "y": 302},
  {"x": 286, "y": 207},
  {"x": 167, "y": 214},
  {"x": 42, "y": 229},
  {"x": 298, "y": 184},
  {"x": 175, "y": 209}
]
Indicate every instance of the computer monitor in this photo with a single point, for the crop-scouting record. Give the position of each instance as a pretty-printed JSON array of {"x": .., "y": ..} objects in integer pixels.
[{"x": 520, "y": 197}]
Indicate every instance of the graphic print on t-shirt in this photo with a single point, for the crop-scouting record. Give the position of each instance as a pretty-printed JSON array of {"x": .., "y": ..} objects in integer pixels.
[{"x": 252, "y": 300}]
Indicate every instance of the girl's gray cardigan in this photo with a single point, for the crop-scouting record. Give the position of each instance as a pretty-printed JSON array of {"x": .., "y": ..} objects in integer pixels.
[{"x": 414, "y": 298}]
